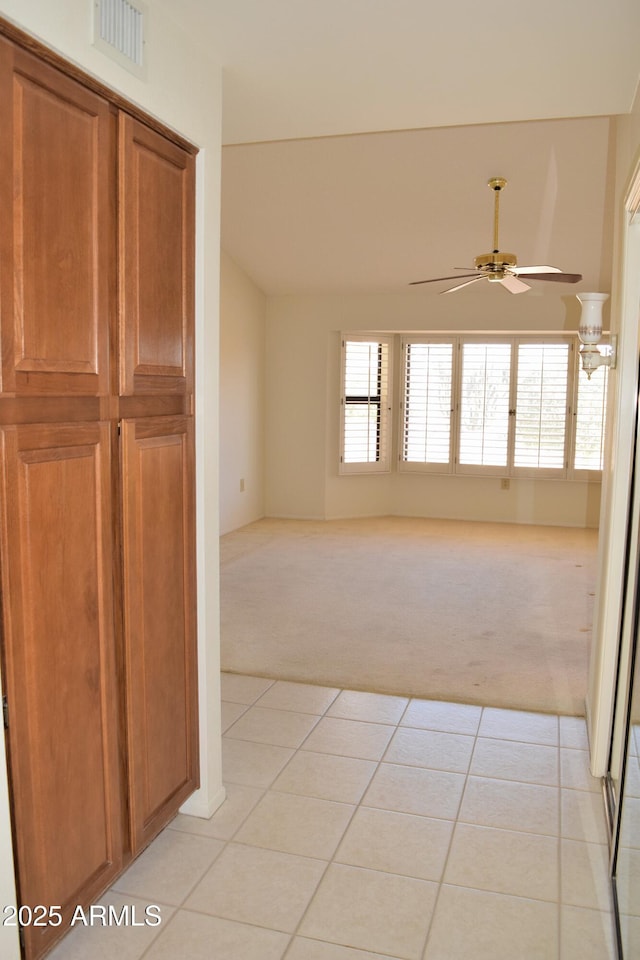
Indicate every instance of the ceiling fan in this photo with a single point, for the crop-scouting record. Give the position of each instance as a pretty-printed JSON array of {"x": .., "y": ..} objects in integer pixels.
[{"x": 498, "y": 267}]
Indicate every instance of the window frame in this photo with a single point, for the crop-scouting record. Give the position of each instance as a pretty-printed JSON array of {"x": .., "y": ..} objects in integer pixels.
[{"x": 394, "y": 411}]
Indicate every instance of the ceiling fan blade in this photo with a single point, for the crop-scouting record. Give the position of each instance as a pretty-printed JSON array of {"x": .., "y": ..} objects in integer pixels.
[
  {"x": 536, "y": 269},
  {"x": 557, "y": 277},
  {"x": 414, "y": 283},
  {"x": 514, "y": 285},
  {"x": 459, "y": 286}
]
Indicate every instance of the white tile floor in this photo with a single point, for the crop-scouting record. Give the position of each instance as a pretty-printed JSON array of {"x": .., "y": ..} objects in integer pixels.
[{"x": 367, "y": 827}]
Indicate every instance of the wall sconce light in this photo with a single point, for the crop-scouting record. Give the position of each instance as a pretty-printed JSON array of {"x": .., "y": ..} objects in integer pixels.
[{"x": 590, "y": 332}]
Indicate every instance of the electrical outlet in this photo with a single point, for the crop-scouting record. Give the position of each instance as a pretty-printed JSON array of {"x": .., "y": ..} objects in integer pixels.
[
  {"x": 505, "y": 483},
  {"x": 242, "y": 485}
]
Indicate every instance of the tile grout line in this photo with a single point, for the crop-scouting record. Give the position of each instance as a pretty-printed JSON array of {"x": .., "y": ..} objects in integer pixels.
[
  {"x": 359, "y": 805},
  {"x": 181, "y": 906},
  {"x": 356, "y": 807},
  {"x": 425, "y": 945},
  {"x": 397, "y": 725},
  {"x": 145, "y": 952},
  {"x": 294, "y": 933}
]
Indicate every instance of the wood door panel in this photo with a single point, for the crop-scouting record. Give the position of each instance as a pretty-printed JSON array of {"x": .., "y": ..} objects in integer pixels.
[
  {"x": 97, "y": 258},
  {"x": 59, "y": 657},
  {"x": 159, "y": 607},
  {"x": 56, "y": 175},
  {"x": 156, "y": 262}
]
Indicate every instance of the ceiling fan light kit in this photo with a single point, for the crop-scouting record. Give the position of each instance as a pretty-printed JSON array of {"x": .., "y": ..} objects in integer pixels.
[{"x": 499, "y": 267}]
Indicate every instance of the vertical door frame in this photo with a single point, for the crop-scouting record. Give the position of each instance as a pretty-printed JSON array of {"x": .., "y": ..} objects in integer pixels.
[
  {"x": 616, "y": 491},
  {"x": 211, "y": 792}
]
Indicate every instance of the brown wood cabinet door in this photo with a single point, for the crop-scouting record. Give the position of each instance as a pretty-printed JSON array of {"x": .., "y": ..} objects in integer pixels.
[
  {"x": 60, "y": 666},
  {"x": 97, "y": 612},
  {"x": 57, "y": 246},
  {"x": 159, "y": 608},
  {"x": 156, "y": 262}
]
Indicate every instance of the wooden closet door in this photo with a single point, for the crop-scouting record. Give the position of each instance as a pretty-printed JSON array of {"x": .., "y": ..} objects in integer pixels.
[
  {"x": 57, "y": 242},
  {"x": 60, "y": 666},
  {"x": 157, "y": 184},
  {"x": 159, "y": 609}
]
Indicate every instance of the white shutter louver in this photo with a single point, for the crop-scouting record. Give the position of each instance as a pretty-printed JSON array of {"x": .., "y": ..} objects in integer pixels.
[
  {"x": 590, "y": 420},
  {"x": 484, "y": 404},
  {"x": 428, "y": 384},
  {"x": 365, "y": 403},
  {"x": 541, "y": 406}
]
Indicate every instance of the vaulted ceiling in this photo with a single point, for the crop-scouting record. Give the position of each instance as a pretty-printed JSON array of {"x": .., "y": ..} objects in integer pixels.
[
  {"x": 370, "y": 213},
  {"x": 361, "y": 134}
]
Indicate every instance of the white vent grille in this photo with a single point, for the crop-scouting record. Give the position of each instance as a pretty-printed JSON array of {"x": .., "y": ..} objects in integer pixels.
[{"x": 119, "y": 33}]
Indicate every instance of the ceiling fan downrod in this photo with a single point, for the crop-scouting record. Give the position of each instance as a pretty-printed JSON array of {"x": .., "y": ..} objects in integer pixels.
[
  {"x": 496, "y": 265},
  {"x": 497, "y": 184}
]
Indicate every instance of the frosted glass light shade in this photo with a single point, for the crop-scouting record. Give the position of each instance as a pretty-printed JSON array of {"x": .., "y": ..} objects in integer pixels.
[{"x": 590, "y": 328}]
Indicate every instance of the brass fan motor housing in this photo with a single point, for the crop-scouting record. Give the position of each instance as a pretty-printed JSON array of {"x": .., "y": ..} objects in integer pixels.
[{"x": 495, "y": 265}]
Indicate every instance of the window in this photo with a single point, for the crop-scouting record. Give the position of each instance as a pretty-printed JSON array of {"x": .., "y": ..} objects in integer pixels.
[
  {"x": 541, "y": 406},
  {"x": 484, "y": 404},
  {"x": 428, "y": 386},
  {"x": 590, "y": 420},
  {"x": 492, "y": 405},
  {"x": 365, "y": 405}
]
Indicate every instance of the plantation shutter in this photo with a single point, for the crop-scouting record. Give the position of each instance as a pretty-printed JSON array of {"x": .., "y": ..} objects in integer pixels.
[
  {"x": 484, "y": 404},
  {"x": 365, "y": 406},
  {"x": 501, "y": 405},
  {"x": 590, "y": 420},
  {"x": 427, "y": 402},
  {"x": 541, "y": 406}
]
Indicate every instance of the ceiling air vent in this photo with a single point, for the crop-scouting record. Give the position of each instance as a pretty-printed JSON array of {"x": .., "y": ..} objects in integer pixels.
[{"x": 118, "y": 31}]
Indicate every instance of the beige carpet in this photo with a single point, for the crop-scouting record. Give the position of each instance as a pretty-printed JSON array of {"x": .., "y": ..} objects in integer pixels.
[{"x": 484, "y": 613}]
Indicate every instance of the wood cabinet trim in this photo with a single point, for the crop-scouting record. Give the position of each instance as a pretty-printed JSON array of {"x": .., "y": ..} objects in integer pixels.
[{"x": 27, "y": 42}]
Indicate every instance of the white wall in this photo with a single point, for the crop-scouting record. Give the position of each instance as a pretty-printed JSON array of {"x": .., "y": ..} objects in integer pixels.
[
  {"x": 242, "y": 397},
  {"x": 303, "y": 358},
  {"x": 183, "y": 90},
  {"x": 296, "y": 391}
]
